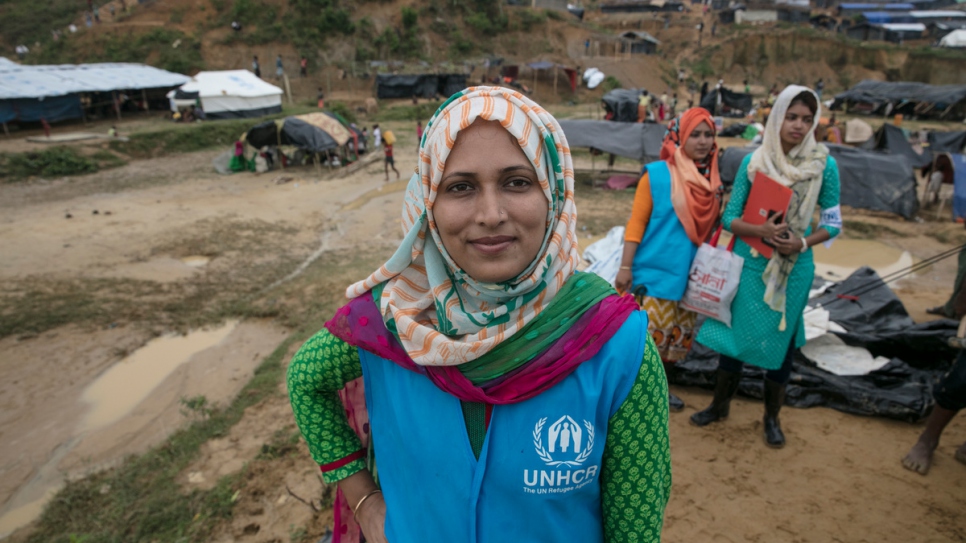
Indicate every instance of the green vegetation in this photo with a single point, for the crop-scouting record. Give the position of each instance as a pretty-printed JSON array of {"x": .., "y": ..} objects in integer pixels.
[
  {"x": 864, "y": 230},
  {"x": 343, "y": 111},
  {"x": 610, "y": 83},
  {"x": 23, "y": 22},
  {"x": 183, "y": 138},
  {"x": 419, "y": 112},
  {"x": 402, "y": 42},
  {"x": 54, "y": 162},
  {"x": 170, "y": 50}
]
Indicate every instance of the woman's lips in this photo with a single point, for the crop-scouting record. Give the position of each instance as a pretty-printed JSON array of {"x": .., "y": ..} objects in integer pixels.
[{"x": 492, "y": 244}]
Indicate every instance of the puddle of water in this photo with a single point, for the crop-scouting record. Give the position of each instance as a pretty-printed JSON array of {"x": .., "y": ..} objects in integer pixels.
[
  {"x": 847, "y": 255},
  {"x": 127, "y": 383},
  {"x": 196, "y": 261},
  {"x": 387, "y": 188},
  {"x": 21, "y": 516}
]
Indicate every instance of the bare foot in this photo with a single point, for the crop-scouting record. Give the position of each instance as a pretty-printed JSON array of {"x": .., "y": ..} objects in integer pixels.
[
  {"x": 919, "y": 457},
  {"x": 961, "y": 453}
]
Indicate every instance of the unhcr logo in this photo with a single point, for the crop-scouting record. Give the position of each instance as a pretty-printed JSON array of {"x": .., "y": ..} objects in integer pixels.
[{"x": 568, "y": 445}]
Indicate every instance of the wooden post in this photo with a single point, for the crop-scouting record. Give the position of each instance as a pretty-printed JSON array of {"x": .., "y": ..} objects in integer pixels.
[
  {"x": 534, "y": 82},
  {"x": 6, "y": 130},
  {"x": 328, "y": 83},
  {"x": 117, "y": 105},
  {"x": 555, "y": 80},
  {"x": 318, "y": 167},
  {"x": 288, "y": 88},
  {"x": 144, "y": 98}
]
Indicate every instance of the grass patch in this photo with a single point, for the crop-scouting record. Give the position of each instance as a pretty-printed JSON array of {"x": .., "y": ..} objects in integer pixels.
[
  {"x": 864, "y": 230},
  {"x": 53, "y": 162},
  {"x": 419, "y": 112}
]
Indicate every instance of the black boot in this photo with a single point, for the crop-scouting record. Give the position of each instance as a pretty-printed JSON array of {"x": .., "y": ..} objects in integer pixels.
[
  {"x": 724, "y": 390},
  {"x": 674, "y": 403},
  {"x": 774, "y": 398}
]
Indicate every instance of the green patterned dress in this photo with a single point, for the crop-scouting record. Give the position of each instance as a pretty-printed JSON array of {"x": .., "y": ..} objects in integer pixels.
[{"x": 636, "y": 472}]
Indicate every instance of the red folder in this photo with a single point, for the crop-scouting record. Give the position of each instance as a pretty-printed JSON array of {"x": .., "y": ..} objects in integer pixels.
[{"x": 767, "y": 197}]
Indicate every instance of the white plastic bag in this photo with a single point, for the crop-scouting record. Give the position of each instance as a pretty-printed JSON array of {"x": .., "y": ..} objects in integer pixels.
[
  {"x": 713, "y": 281},
  {"x": 605, "y": 255}
]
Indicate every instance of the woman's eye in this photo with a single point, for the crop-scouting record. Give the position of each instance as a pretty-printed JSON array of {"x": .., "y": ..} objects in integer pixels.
[
  {"x": 459, "y": 187},
  {"x": 519, "y": 182}
]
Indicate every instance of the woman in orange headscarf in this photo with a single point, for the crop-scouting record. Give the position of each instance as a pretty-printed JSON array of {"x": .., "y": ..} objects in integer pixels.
[{"x": 676, "y": 208}]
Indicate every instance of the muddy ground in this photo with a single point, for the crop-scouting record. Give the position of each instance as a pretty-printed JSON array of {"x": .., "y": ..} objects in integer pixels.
[{"x": 250, "y": 259}]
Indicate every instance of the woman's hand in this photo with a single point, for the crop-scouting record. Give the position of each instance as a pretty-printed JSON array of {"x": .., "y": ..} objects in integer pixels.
[
  {"x": 772, "y": 229},
  {"x": 372, "y": 519},
  {"x": 623, "y": 281},
  {"x": 787, "y": 245}
]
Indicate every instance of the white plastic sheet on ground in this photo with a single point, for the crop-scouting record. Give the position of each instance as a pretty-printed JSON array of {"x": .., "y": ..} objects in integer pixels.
[
  {"x": 605, "y": 255},
  {"x": 831, "y": 354}
]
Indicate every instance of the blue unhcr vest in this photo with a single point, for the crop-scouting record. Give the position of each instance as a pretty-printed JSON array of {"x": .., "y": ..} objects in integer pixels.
[
  {"x": 538, "y": 475},
  {"x": 663, "y": 259}
]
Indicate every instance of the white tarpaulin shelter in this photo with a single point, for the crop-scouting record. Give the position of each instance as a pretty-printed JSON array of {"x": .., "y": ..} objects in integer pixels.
[
  {"x": 231, "y": 94},
  {"x": 956, "y": 38},
  {"x": 27, "y": 81}
]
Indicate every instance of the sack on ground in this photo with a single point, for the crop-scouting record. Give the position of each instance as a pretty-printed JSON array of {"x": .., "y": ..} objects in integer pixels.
[{"x": 713, "y": 283}]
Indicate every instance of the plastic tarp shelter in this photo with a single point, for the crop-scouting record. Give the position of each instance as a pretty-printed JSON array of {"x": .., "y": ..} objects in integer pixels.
[
  {"x": 733, "y": 103},
  {"x": 877, "y": 93},
  {"x": 877, "y": 321},
  {"x": 233, "y": 94},
  {"x": 623, "y": 103},
  {"x": 330, "y": 125},
  {"x": 886, "y": 17},
  {"x": 421, "y": 85},
  {"x": 869, "y": 179},
  {"x": 638, "y": 141},
  {"x": 290, "y": 131},
  {"x": 947, "y": 142},
  {"x": 958, "y": 162},
  {"x": 956, "y": 38},
  {"x": 891, "y": 139}
]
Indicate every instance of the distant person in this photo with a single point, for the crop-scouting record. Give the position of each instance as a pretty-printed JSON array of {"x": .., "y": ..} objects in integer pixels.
[
  {"x": 714, "y": 28},
  {"x": 236, "y": 26},
  {"x": 819, "y": 87},
  {"x": 747, "y": 87},
  {"x": 110, "y": 8},
  {"x": 112, "y": 132},
  {"x": 303, "y": 67},
  {"x": 681, "y": 76},
  {"x": 376, "y": 135},
  {"x": 586, "y": 47},
  {"x": 88, "y": 20},
  {"x": 97, "y": 15},
  {"x": 21, "y": 51},
  {"x": 279, "y": 68},
  {"x": 704, "y": 91},
  {"x": 320, "y": 98},
  {"x": 123, "y": 6},
  {"x": 256, "y": 67},
  {"x": 46, "y": 126},
  {"x": 390, "y": 161},
  {"x": 674, "y": 105}
]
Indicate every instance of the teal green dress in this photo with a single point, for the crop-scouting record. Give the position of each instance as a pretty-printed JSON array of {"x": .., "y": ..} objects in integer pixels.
[{"x": 754, "y": 337}]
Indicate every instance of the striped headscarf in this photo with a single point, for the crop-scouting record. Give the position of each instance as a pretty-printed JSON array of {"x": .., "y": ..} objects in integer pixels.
[{"x": 441, "y": 315}]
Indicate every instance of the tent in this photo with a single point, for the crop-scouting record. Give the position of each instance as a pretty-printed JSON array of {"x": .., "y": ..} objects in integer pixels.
[
  {"x": 623, "y": 103},
  {"x": 956, "y": 38},
  {"x": 918, "y": 99},
  {"x": 291, "y": 131},
  {"x": 955, "y": 164},
  {"x": 891, "y": 139},
  {"x": 947, "y": 142},
  {"x": 230, "y": 94},
  {"x": 733, "y": 104},
  {"x": 638, "y": 141},
  {"x": 870, "y": 179},
  {"x": 421, "y": 85}
]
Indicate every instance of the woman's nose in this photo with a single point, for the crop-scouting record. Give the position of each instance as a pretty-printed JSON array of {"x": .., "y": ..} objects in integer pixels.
[{"x": 490, "y": 210}]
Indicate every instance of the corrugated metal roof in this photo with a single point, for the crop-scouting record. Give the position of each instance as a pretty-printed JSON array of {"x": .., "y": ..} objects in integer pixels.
[{"x": 26, "y": 81}]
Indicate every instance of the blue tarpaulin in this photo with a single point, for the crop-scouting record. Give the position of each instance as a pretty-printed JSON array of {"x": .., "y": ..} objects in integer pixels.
[
  {"x": 959, "y": 186},
  {"x": 52, "y": 108}
]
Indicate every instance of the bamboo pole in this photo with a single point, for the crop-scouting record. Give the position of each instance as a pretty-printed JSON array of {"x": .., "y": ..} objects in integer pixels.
[
  {"x": 288, "y": 88},
  {"x": 555, "y": 80}
]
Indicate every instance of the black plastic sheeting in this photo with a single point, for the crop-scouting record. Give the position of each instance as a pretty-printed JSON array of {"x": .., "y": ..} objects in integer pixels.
[
  {"x": 891, "y": 139},
  {"x": 734, "y": 104},
  {"x": 947, "y": 142},
  {"x": 623, "y": 102},
  {"x": 878, "y": 93},
  {"x": 900, "y": 390},
  {"x": 294, "y": 132},
  {"x": 869, "y": 179},
  {"x": 733, "y": 131},
  {"x": 420, "y": 85}
]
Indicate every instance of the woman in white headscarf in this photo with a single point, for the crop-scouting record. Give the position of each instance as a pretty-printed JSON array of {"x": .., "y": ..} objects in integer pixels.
[{"x": 767, "y": 325}]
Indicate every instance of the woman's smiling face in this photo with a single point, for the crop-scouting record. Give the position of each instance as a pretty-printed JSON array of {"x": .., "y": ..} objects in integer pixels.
[{"x": 490, "y": 211}]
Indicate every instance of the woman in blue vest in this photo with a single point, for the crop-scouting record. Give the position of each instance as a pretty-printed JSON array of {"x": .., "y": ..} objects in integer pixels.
[
  {"x": 502, "y": 394},
  {"x": 675, "y": 209},
  {"x": 766, "y": 314}
]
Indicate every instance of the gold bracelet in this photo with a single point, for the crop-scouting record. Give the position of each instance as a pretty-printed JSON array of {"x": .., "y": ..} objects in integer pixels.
[
  {"x": 628, "y": 268},
  {"x": 355, "y": 510}
]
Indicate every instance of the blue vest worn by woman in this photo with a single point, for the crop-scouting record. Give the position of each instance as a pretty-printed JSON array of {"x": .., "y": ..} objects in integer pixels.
[
  {"x": 538, "y": 475},
  {"x": 663, "y": 259}
]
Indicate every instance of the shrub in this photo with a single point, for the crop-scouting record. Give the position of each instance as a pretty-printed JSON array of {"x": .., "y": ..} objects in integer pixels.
[
  {"x": 54, "y": 162},
  {"x": 610, "y": 83}
]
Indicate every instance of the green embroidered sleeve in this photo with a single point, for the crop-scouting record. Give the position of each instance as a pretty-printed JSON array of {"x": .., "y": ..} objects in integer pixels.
[
  {"x": 318, "y": 371},
  {"x": 636, "y": 475}
]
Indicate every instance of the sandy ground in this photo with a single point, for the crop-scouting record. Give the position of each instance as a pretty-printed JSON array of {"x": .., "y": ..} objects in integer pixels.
[{"x": 839, "y": 479}]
